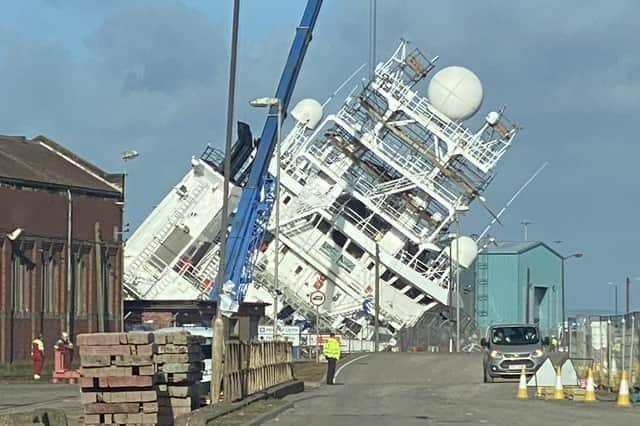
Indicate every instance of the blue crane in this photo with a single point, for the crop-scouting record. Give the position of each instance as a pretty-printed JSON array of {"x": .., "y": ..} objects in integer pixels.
[{"x": 258, "y": 195}]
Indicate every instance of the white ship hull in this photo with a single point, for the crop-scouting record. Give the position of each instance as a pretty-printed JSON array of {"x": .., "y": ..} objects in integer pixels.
[{"x": 388, "y": 168}]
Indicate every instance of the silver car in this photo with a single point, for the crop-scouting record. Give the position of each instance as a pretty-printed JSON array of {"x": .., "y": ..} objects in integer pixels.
[{"x": 510, "y": 347}]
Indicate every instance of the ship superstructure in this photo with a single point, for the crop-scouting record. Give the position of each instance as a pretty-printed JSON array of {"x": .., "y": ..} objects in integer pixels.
[{"x": 391, "y": 168}]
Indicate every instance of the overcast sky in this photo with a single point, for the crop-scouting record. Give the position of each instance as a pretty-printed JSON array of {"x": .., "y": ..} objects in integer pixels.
[{"x": 103, "y": 76}]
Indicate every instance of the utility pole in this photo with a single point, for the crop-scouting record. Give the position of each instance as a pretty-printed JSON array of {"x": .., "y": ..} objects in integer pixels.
[
  {"x": 525, "y": 225},
  {"x": 377, "y": 296},
  {"x": 628, "y": 282},
  {"x": 458, "y": 285},
  {"x": 218, "y": 325},
  {"x": 276, "y": 266}
]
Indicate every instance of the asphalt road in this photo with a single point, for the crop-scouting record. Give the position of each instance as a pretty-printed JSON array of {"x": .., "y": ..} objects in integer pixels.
[
  {"x": 435, "y": 389},
  {"x": 18, "y": 398}
]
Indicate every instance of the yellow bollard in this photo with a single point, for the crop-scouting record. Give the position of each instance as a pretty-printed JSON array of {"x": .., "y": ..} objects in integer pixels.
[
  {"x": 590, "y": 394},
  {"x": 522, "y": 386},
  {"x": 558, "y": 392},
  {"x": 623, "y": 394}
]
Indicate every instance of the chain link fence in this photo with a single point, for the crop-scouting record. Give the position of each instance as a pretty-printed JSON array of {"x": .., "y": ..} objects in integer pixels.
[
  {"x": 435, "y": 331},
  {"x": 612, "y": 343}
]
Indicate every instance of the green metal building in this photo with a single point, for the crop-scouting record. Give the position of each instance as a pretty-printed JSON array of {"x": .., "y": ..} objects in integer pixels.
[{"x": 516, "y": 282}]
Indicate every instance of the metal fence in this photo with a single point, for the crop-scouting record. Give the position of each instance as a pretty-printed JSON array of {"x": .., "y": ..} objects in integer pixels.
[
  {"x": 612, "y": 343},
  {"x": 251, "y": 367},
  {"x": 436, "y": 332}
]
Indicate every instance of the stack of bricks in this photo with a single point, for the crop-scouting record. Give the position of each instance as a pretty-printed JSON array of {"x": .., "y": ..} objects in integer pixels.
[
  {"x": 179, "y": 364},
  {"x": 117, "y": 378}
]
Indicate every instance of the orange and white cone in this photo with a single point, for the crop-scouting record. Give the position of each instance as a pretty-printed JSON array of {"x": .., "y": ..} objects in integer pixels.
[
  {"x": 522, "y": 386},
  {"x": 623, "y": 394},
  {"x": 590, "y": 394},
  {"x": 558, "y": 392}
]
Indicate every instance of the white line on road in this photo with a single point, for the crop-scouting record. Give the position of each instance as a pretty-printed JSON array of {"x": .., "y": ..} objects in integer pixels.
[{"x": 343, "y": 366}]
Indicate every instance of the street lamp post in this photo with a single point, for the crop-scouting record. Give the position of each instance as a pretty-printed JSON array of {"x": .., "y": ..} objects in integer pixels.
[
  {"x": 564, "y": 258},
  {"x": 261, "y": 103},
  {"x": 127, "y": 155},
  {"x": 459, "y": 209},
  {"x": 615, "y": 303},
  {"x": 628, "y": 291},
  {"x": 218, "y": 322}
]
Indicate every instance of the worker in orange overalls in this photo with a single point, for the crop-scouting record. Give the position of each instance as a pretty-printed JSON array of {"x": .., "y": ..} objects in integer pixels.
[{"x": 37, "y": 356}]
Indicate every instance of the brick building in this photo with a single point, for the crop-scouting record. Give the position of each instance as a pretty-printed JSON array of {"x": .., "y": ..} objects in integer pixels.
[{"x": 60, "y": 245}]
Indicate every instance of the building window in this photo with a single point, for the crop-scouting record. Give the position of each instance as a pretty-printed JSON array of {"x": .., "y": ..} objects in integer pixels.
[
  {"x": 413, "y": 293},
  {"x": 338, "y": 238},
  {"x": 324, "y": 226},
  {"x": 354, "y": 250},
  {"x": 21, "y": 290},
  {"x": 387, "y": 275}
]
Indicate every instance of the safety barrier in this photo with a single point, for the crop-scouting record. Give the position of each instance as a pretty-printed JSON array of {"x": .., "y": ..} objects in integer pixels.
[
  {"x": 251, "y": 367},
  {"x": 612, "y": 342}
]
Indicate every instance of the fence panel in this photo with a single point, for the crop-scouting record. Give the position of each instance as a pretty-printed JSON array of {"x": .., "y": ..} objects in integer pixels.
[
  {"x": 612, "y": 342},
  {"x": 251, "y": 367}
]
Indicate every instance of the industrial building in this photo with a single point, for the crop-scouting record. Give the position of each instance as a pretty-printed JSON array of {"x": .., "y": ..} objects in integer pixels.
[
  {"x": 516, "y": 282},
  {"x": 60, "y": 245}
]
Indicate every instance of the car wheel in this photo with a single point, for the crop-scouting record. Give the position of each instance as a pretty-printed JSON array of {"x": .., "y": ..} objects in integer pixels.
[{"x": 487, "y": 377}]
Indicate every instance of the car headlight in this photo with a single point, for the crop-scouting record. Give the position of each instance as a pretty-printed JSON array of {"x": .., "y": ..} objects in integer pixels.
[
  {"x": 495, "y": 354},
  {"x": 537, "y": 353}
]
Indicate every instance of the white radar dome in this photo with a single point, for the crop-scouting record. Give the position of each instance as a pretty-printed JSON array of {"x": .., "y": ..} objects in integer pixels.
[
  {"x": 308, "y": 111},
  {"x": 456, "y": 92},
  {"x": 468, "y": 251}
]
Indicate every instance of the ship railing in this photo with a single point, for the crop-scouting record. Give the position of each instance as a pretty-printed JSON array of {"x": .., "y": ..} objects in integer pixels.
[
  {"x": 428, "y": 271},
  {"x": 338, "y": 165},
  {"x": 291, "y": 146},
  {"x": 174, "y": 218},
  {"x": 392, "y": 187},
  {"x": 265, "y": 278},
  {"x": 439, "y": 269},
  {"x": 407, "y": 221},
  {"x": 483, "y": 153},
  {"x": 414, "y": 167}
]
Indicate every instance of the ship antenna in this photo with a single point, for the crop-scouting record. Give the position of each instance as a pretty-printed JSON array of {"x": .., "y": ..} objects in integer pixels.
[
  {"x": 522, "y": 188},
  {"x": 344, "y": 83}
]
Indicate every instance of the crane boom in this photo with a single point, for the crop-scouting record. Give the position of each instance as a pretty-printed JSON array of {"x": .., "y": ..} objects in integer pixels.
[{"x": 258, "y": 194}]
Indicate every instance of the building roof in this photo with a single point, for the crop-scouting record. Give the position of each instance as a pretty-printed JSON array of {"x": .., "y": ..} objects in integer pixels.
[
  {"x": 516, "y": 247},
  {"x": 42, "y": 162}
]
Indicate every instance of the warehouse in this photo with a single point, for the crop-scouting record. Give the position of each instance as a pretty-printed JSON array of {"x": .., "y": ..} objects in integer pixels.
[
  {"x": 518, "y": 281},
  {"x": 60, "y": 245}
]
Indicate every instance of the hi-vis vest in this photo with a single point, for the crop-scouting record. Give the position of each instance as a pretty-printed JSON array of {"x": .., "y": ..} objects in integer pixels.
[
  {"x": 331, "y": 348},
  {"x": 39, "y": 343}
]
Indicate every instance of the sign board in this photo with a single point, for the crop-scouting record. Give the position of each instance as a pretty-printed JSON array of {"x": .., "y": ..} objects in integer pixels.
[
  {"x": 289, "y": 332},
  {"x": 317, "y": 298}
]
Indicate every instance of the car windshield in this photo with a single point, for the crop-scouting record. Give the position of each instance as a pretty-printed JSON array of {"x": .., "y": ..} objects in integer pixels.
[{"x": 514, "y": 336}]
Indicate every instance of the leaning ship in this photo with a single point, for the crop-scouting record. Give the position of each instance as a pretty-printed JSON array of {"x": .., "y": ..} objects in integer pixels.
[{"x": 377, "y": 184}]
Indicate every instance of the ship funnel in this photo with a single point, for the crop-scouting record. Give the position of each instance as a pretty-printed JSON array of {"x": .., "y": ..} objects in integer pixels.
[
  {"x": 468, "y": 250},
  {"x": 308, "y": 112}
]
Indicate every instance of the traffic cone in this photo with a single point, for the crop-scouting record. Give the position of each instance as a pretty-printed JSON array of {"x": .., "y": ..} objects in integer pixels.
[
  {"x": 558, "y": 392},
  {"x": 623, "y": 395},
  {"x": 590, "y": 394},
  {"x": 522, "y": 386}
]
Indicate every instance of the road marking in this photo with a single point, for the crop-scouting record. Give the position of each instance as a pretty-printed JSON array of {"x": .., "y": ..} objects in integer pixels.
[{"x": 343, "y": 366}]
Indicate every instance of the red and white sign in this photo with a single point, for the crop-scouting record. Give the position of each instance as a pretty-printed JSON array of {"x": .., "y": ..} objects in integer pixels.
[{"x": 317, "y": 298}]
